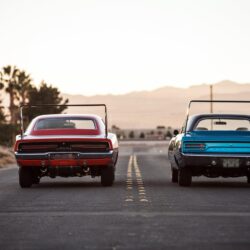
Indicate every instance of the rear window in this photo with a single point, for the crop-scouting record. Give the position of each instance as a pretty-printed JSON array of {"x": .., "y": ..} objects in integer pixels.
[
  {"x": 65, "y": 123},
  {"x": 223, "y": 124}
]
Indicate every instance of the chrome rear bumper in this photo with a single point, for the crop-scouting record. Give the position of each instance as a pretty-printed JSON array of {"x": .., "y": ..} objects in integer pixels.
[{"x": 56, "y": 155}]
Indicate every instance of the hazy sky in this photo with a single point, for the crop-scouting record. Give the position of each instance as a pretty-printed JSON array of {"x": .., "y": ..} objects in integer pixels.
[{"x": 97, "y": 47}]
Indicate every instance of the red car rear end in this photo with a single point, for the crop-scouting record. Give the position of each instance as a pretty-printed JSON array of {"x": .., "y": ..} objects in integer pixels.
[{"x": 66, "y": 146}]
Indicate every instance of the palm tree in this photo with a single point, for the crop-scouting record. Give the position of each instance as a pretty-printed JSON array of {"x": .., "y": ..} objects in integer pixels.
[
  {"x": 23, "y": 85},
  {"x": 2, "y": 115},
  {"x": 9, "y": 80},
  {"x": 1, "y": 81}
]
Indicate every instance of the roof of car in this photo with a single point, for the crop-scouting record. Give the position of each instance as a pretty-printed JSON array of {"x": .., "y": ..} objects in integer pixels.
[
  {"x": 194, "y": 118},
  {"x": 220, "y": 115},
  {"x": 87, "y": 116},
  {"x": 68, "y": 115}
]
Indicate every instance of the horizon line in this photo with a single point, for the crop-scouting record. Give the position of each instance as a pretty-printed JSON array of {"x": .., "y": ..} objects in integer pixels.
[{"x": 158, "y": 88}]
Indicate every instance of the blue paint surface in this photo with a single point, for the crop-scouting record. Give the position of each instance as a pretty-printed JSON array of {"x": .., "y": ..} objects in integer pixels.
[{"x": 216, "y": 142}]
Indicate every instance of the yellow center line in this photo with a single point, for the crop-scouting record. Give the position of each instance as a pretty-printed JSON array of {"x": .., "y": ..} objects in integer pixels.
[
  {"x": 134, "y": 171},
  {"x": 140, "y": 184},
  {"x": 130, "y": 197}
]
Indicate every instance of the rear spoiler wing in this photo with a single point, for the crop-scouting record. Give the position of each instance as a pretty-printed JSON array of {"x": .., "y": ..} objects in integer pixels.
[
  {"x": 208, "y": 101},
  {"x": 64, "y": 105}
]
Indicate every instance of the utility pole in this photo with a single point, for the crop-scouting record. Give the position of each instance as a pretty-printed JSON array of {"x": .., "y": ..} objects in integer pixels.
[
  {"x": 211, "y": 104},
  {"x": 211, "y": 98}
]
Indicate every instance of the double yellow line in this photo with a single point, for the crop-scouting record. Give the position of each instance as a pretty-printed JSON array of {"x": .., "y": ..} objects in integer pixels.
[{"x": 134, "y": 172}]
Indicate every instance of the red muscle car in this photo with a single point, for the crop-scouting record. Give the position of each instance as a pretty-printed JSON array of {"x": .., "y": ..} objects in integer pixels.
[{"x": 66, "y": 145}]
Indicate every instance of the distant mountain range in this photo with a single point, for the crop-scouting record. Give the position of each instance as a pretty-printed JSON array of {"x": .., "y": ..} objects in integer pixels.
[{"x": 163, "y": 106}]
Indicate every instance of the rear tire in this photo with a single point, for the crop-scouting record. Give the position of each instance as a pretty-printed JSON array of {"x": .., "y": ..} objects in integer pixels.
[
  {"x": 174, "y": 175},
  {"x": 25, "y": 177},
  {"x": 184, "y": 177},
  {"x": 248, "y": 178},
  {"x": 108, "y": 176}
]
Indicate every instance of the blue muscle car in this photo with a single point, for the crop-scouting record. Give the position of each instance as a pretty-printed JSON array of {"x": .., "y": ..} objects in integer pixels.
[{"x": 212, "y": 145}]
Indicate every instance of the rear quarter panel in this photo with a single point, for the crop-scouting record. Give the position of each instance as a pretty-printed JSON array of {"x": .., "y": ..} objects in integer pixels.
[
  {"x": 174, "y": 149},
  {"x": 114, "y": 141}
]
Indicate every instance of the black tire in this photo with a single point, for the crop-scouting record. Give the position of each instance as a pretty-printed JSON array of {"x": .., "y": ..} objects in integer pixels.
[
  {"x": 108, "y": 176},
  {"x": 184, "y": 177},
  {"x": 25, "y": 177},
  {"x": 174, "y": 175},
  {"x": 248, "y": 178},
  {"x": 36, "y": 175}
]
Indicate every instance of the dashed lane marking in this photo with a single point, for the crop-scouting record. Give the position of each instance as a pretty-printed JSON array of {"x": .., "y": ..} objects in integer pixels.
[
  {"x": 140, "y": 184},
  {"x": 130, "y": 197},
  {"x": 134, "y": 172}
]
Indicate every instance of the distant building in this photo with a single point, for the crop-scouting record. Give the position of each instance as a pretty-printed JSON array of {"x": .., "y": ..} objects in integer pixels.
[{"x": 159, "y": 133}]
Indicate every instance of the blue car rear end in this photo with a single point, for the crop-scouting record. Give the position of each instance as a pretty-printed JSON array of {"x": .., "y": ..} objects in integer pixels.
[
  {"x": 212, "y": 145},
  {"x": 216, "y": 153}
]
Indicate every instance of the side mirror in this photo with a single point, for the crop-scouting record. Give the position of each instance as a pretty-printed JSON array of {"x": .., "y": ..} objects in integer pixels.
[{"x": 176, "y": 132}]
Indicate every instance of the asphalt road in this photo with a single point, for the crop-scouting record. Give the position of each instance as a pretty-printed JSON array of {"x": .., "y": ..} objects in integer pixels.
[{"x": 143, "y": 210}]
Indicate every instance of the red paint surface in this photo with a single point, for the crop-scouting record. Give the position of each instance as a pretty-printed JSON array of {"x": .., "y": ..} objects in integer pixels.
[{"x": 43, "y": 132}]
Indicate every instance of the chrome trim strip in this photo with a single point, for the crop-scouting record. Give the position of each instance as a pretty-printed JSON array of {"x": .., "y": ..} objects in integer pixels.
[{"x": 80, "y": 155}]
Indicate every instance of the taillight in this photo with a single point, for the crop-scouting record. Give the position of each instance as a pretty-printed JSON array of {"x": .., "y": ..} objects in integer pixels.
[
  {"x": 84, "y": 146},
  {"x": 194, "y": 146},
  {"x": 31, "y": 147},
  {"x": 90, "y": 147},
  {"x": 64, "y": 146}
]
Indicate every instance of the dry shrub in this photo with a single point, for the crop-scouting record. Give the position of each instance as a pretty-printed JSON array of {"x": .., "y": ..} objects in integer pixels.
[{"x": 6, "y": 157}]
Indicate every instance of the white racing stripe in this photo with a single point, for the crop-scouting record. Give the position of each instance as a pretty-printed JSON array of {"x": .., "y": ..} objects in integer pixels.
[{"x": 134, "y": 170}]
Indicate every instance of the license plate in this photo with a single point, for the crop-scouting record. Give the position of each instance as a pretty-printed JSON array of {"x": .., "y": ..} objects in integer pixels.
[
  {"x": 63, "y": 156},
  {"x": 231, "y": 163}
]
